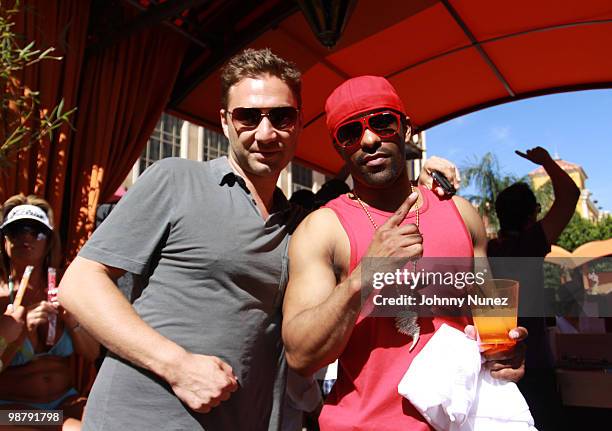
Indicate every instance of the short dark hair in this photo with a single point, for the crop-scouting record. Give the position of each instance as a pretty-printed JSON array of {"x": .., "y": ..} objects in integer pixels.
[
  {"x": 253, "y": 63},
  {"x": 514, "y": 205}
]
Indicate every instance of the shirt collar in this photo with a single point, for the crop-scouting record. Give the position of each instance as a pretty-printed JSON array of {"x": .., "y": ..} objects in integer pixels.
[
  {"x": 226, "y": 176},
  {"x": 221, "y": 168}
]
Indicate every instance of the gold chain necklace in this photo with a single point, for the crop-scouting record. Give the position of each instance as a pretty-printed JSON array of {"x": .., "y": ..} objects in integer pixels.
[
  {"x": 405, "y": 321},
  {"x": 354, "y": 195}
]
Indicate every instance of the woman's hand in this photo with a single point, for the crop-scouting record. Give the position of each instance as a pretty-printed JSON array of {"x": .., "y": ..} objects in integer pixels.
[
  {"x": 38, "y": 314},
  {"x": 12, "y": 323}
]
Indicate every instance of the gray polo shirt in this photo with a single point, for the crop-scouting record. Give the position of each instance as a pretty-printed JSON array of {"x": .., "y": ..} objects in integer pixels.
[{"x": 214, "y": 275}]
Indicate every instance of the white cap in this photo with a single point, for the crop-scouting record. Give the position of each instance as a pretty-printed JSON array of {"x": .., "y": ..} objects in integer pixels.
[{"x": 26, "y": 212}]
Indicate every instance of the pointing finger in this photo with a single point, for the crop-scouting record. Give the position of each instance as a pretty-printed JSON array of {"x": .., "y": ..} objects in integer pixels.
[{"x": 400, "y": 214}]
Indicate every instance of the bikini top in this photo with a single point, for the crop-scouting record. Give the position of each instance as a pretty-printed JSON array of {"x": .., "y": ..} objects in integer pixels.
[{"x": 26, "y": 354}]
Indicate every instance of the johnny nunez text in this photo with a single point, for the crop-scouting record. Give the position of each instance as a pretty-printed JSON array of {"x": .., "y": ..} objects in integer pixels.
[{"x": 437, "y": 300}]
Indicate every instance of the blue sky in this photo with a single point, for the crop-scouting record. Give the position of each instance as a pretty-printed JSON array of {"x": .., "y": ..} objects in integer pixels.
[{"x": 577, "y": 126}]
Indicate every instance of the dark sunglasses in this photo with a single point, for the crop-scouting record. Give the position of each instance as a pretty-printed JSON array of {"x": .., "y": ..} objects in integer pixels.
[
  {"x": 385, "y": 124},
  {"x": 36, "y": 230},
  {"x": 281, "y": 118}
]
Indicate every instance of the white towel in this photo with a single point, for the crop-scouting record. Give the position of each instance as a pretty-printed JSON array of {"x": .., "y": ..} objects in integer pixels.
[{"x": 447, "y": 386}]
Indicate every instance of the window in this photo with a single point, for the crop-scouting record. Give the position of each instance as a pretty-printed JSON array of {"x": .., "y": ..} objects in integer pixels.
[
  {"x": 215, "y": 145},
  {"x": 301, "y": 177},
  {"x": 165, "y": 141}
]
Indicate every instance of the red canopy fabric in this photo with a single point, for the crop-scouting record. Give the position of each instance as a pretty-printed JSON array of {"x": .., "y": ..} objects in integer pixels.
[
  {"x": 560, "y": 256},
  {"x": 594, "y": 249},
  {"x": 446, "y": 58},
  {"x": 584, "y": 254}
]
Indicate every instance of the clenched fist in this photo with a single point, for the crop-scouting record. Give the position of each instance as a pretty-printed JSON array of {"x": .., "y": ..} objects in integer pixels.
[{"x": 202, "y": 382}]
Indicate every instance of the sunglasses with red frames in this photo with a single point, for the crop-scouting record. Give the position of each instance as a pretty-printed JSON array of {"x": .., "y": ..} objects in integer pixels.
[
  {"x": 281, "y": 118},
  {"x": 384, "y": 123}
]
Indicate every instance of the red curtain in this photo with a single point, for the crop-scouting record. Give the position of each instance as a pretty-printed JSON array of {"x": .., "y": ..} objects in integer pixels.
[
  {"x": 124, "y": 90},
  {"x": 42, "y": 169},
  {"x": 120, "y": 92}
]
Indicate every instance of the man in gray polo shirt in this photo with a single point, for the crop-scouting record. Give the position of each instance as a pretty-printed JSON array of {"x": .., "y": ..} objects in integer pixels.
[
  {"x": 211, "y": 239},
  {"x": 201, "y": 347}
]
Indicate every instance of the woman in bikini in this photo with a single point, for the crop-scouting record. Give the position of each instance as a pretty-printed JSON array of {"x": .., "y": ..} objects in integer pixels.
[{"x": 37, "y": 372}]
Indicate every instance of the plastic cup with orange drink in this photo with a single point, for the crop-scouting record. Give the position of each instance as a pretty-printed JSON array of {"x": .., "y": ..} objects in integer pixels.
[{"x": 494, "y": 307}]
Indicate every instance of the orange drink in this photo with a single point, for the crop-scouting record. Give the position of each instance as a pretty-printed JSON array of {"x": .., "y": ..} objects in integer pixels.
[
  {"x": 494, "y": 307},
  {"x": 493, "y": 332}
]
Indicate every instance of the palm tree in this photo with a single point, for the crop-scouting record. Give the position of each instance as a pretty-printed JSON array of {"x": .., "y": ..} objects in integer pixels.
[{"x": 486, "y": 176}]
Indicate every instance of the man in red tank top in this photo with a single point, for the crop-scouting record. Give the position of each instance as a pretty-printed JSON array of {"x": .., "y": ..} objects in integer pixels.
[{"x": 384, "y": 216}]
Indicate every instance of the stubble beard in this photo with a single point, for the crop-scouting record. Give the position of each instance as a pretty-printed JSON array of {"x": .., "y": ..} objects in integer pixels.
[{"x": 381, "y": 179}]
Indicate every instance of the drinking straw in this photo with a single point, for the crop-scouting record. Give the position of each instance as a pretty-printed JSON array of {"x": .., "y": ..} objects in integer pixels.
[{"x": 22, "y": 286}]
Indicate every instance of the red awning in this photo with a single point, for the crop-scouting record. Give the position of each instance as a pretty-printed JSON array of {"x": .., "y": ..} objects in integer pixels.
[
  {"x": 446, "y": 58},
  {"x": 584, "y": 254},
  {"x": 560, "y": 256},
  {"x": 594, "y": 249}
]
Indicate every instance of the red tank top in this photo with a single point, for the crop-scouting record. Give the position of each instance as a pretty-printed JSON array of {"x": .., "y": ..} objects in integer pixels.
[{"x": 376, "y": 357}]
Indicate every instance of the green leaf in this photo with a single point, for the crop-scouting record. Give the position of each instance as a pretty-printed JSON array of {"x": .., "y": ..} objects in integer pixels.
[{"x": 14, "y": 58}]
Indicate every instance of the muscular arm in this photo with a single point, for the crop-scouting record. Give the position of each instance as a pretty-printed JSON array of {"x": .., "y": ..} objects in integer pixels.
[
  {"x": 105, "y": 313},
  {"x": 202, "y": 382},
  {"x": 84, "y": 344},
  {"x": 318, "y": 313}
]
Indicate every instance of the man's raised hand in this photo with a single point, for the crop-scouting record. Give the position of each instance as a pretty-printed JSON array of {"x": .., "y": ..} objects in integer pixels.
[{"x": 537, "y": 155}]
